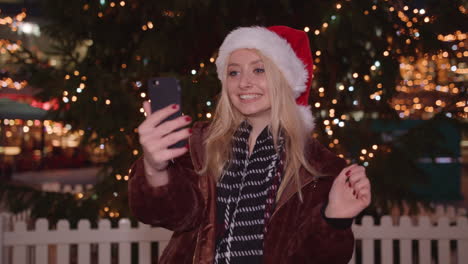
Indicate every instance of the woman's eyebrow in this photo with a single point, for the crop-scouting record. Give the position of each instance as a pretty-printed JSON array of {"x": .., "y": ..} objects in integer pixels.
[{"x": 251, "y": 63}]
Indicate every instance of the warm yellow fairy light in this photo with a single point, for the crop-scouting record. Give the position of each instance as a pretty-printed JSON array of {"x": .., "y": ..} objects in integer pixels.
[
  {"x": 386, "y": 53},
  {"x": 126, "y": 178},
  {"x": 122, "y": 3},
  {"x": 150, "y": 24},
  {"x": 118, "y": 177},
  {"x": 325, "y": 25},
  {"x": 76, "y": 73},
  {"x": 355, "y": 75},
  {"x": 106, "y": 209},
  {"x": 371, "y": 155},
  {"x": 338, "y": 6},
  {"x": 95, "y": 99},
  {"x": 306, "y": 29},
  {"x": 317, "y": 32},
  {"x": 135, "y": 152},
  {"x": 318, "y": 53},
  {"x": 202, "y": 65},
  {"x": 363, "y": 151},
  {"x": 212, "y": 60},
  {"x": 112, "y": 4},
  {"x": 317, "y": 105},
  {"x": 427, "y": 19},
  {"x": 334, "y": 101},
  {"x": 326, "y": 122},
  {"x": 67, "y": 77},
  {"x": 208, "y": 115},
  {"x": 108, "y": 102},
  {"x": 74, "y": 98}
]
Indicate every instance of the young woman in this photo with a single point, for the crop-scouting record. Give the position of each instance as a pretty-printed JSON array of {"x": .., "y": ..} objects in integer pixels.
[{"x": 252, "y": 186}]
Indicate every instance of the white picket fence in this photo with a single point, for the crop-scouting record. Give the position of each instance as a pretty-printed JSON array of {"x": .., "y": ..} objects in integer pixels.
[{"x": 40, "y": 245}]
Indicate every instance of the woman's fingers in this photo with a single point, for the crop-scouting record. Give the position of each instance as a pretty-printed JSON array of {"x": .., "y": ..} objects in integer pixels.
[
  {"x": 156, "y": 144},
  {"x": 172, "y": 125},
  {"x": 154, "y": 119},
  {"x": 356, "y": 174},
  {"x": 147, "y": 107},
  {"x": 175, "y": 137}
]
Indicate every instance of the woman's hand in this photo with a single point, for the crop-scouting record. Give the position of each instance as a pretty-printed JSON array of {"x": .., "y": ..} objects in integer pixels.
[
  {"x": 349, "y": 194},
  {"x": 156, "y": 136}
]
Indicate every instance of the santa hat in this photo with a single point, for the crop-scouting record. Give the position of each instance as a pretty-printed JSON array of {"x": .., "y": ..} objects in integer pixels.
[{"x": 288, "y": 48}]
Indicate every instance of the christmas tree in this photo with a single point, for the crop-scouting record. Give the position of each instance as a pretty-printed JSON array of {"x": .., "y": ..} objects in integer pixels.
[{"x": 374, "y": 60}]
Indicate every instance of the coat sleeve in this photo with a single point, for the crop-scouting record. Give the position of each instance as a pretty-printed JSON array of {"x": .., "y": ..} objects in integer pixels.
[
  {"x": 176, "y": 206},
  {"x": 329, "y": 243},
  {"x": 322, "y": 241}
]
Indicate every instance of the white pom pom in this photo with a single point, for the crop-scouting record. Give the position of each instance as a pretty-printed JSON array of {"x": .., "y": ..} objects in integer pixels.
[{"x": 307, "y": 118}]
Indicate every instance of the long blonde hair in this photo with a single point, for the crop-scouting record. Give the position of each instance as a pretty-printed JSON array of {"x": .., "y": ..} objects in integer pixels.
[{"x": 284, "y": 117}]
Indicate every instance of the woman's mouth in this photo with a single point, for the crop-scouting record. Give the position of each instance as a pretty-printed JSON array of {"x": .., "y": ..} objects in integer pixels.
[{"x": 249, "y": 97}]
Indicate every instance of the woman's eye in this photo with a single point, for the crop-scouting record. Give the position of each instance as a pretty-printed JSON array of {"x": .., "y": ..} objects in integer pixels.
[
  {"x": 259, "y": 70},
  {"x": 233, "y": 73}
]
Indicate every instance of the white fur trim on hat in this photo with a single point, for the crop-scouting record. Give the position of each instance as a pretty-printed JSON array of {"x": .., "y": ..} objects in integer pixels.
[
  {"x": 270, "y": 45},
  {"x": 307, "y": 117}
]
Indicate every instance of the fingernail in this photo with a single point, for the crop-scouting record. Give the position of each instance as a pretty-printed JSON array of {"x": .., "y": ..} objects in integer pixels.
[
  {"x": 186, "y": 146},
  {"x": 174, "y": 106},
  {"x": 190, "y": 131},
  {"x": 354, "y": 192},
  {"x": 349, "y": 184},
  {"x": 347, "y": 173},
  {"x": 188, "y": 118}
]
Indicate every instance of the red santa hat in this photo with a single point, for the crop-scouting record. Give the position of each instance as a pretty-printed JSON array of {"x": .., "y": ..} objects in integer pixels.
[{"x": 288, "y": 48}]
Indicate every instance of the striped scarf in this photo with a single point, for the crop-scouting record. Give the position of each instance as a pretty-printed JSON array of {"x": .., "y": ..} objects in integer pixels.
[{"x": 246, "y": 196}]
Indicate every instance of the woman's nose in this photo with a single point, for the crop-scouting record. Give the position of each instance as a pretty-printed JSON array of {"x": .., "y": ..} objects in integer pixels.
[{"x": 245, "y": 81}]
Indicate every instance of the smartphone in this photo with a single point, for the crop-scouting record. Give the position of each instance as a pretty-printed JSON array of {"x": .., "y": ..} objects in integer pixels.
[{"x": 164, "y": 91}]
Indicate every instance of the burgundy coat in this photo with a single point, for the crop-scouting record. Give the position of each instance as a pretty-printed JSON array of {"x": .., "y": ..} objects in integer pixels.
[{"x": 297, "y": 232}]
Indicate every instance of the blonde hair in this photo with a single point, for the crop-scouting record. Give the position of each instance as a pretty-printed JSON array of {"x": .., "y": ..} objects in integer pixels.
[{"x": 284, "y": 117}]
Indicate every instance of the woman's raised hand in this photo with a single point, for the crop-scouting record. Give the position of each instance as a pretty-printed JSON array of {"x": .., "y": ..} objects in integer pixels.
[
  {"x": 349, "y": 194},
  {"x": 156, "y": 136}
]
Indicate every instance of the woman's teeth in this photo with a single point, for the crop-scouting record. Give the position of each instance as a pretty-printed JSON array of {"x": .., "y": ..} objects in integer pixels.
[{"x": 249, "y": 96}]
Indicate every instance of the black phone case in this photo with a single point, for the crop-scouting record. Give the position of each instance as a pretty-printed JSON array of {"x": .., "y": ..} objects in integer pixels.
[{"x": 164, "y": 91}]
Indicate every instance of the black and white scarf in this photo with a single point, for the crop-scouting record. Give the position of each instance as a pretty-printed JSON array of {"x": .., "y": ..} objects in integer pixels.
[{"x": 246, "y": 196}]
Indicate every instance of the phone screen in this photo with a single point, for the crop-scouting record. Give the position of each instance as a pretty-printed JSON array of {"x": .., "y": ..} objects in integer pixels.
[{"x": 164, "y": 91}]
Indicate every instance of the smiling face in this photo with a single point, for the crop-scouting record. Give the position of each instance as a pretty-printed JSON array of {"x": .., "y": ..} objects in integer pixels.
[{"x": 247, "y": 85}]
